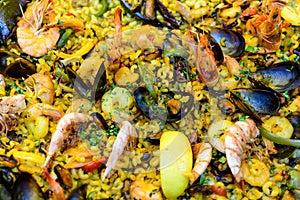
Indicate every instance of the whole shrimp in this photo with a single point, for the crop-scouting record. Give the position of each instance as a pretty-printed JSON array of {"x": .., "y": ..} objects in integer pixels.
[
  {"x": 268, "y": 28},
  {"x": 34, "y": 39},
  {"x": 206, "y": 63},
  {"x": 43, "y": 87},
  {"x": 126, "y": 131},
  {"x": 236, "y": 139},
  {"x": 65, "y": 125}
]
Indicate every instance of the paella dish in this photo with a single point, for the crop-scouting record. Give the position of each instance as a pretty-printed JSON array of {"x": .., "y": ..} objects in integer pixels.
[{"x": 150, "y": 99}]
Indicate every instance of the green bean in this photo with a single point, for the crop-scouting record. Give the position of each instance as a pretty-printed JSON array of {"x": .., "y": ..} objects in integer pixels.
[
  {"x": 64, "y": 38},
  {"x": 279, "y": 140},
  {"x": 104, "y": 8}
]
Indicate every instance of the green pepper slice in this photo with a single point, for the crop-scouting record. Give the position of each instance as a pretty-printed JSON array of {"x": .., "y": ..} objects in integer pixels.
[
  {"x": 277, "y": 139},
  {"x": 64, "y": 38},
  {"x": 104, "y": 8}
]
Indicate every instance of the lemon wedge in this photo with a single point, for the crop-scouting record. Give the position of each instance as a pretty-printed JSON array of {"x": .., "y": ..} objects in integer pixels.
[{"x": 176, "y": 160}]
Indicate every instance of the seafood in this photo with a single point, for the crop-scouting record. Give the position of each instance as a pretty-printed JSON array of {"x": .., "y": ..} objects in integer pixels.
[
  {"x": 58, "y": 193},
  {"x": 7, "y": 122},
  {"x": 26, "y": 187},
  {"x": 34, "y": 39},
  {"x": 256, "y": 101},
  {"x": 236, "y": 139},
  {"x": 126, "y": 132},
  {"x": 40, "y": 109},
  {"x": 7, "y": 161},
  {"x": 174, "y": 110},
  {"x": 268, "y": 28},
  {"x": 43, "y": 87},
  {"x": 63, "y": 176},
  {"x": 282, "y": 76},
  {"x": 142, "y": 189},
  {"x": 231, "y": 42},
  {"x": 12, "y": 104},
  {"x": 65, "y": 125},
  {"x": 206, "y": 64},
  {"x": 19, "y": 68},
  {"x": 149, "y": 16},
  {"x": 9, "y": 10},
  {"x": 203, "y": 152}
]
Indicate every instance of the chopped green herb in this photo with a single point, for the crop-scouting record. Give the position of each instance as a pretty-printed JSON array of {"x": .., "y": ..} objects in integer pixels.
[
  {"x": 286, "y": 94},
  {"x": 202, "y": 178},
  {"x": 272, "y": 170},
  {"x": 222, "y": 160},
  {"x": 243, "y": 118}
]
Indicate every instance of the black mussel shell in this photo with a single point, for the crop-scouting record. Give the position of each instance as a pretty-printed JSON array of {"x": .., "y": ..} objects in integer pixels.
[
  {"x": 217, "y": 49},
  {"x": 231, "y": 42},
  {"x": 255, "y": 101},
  {"x": 7, "y": 178},
  {"x": 99, "y": 85},
  {"x": 8, "y": 161},
  {"x": 283, "y": 76},
  {"x": 153, "y": 111},
  {"x": 64, "y": 177},
  {"x": 99, "y": 117},
  {"x": 4, "y": 193},
  {"x": 79, "y": 193},
  {"x": 26, "y": 188},
  {"x": 294, "y": 118},
  {"x": 9, "y": 12},
  {"x": 82, "y": 88},
  {"x": 18, "y": 69}
]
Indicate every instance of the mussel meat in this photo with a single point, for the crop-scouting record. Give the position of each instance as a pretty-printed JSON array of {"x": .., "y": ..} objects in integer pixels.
[
  {"x": 63, "y": 176},
  {"x": 26, "y": 187},
  {"x": 152, "y": 110},
  {"x": 9, "y": 12},
  {"x": 283, "y": 76},
  {"x": 231, "y": 42},
  {"x": 256, "y": 101},
  {"x": 18, "y": 69}
]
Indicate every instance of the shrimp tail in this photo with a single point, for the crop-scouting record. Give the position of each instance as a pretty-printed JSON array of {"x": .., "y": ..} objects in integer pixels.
[
  {"x": 58, "y": 193},
  {"x": 203, "y": 152},
  {"x": 126, "y": 130}
]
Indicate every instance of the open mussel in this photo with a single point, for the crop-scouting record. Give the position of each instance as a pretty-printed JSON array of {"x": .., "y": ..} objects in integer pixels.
[
  {"x": 149, "y": 106},
  {"x": 26, "y": 187},
  {"x": 256, "y": 101},
  {"x": 17, "y": 68},
  {"x": 231, "y": 42},
  {"x": 146, "y": 12},
  {"x": 283, "y": 76},
  {"x": 86, "y": 89},
  {"x": 9, "y": 12}
]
